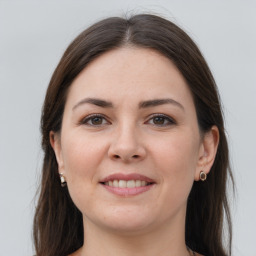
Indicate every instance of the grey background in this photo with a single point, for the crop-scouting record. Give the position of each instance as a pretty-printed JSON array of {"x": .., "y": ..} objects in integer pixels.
[{"x": 33, "y": 36}]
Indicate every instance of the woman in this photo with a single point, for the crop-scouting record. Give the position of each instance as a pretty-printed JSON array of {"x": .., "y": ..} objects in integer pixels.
[{"x": 136, "y": 158}]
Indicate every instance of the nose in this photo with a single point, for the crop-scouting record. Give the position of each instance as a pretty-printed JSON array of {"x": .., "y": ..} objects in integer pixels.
[{"x": 127, "y": 145}]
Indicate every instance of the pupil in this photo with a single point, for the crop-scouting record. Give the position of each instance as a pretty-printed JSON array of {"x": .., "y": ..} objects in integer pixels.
[
  {"x": 97, "y": 120},
  {"x": 158, "y": 120}
]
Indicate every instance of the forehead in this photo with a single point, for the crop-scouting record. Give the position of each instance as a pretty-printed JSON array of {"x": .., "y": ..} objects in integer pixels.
[{"x": 130, "y": 73}]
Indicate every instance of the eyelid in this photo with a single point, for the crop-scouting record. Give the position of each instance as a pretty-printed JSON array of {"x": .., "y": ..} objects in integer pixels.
[
  {"x": 84, "y": 120},
  {"x": 167, "y": 117}
]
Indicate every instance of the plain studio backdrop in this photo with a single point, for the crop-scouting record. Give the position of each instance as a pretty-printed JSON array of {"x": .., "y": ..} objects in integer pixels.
[{"x": 33, "y": 36}]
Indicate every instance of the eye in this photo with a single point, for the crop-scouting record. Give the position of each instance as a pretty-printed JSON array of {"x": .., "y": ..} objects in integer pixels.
[
  {"x": 94, "y": 120},
  {"x": 161, "y": 120}
]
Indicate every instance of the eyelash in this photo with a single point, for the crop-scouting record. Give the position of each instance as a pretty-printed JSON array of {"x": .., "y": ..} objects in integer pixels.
[
  {"x": 87, "y": 119},
  {"x": 170, "y": 121}
]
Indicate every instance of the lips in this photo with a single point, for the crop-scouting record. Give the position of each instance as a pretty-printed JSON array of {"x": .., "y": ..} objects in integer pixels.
[{"x": 127, "y": 184}]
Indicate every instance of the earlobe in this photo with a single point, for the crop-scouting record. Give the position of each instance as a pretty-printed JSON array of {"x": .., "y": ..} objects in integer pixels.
[
  {"x": 56, "y": 145},
  {"x": 207, "y": 152}
]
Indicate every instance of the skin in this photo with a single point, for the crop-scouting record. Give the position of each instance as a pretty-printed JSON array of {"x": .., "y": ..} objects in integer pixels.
[{"x": 129, "y": 139}]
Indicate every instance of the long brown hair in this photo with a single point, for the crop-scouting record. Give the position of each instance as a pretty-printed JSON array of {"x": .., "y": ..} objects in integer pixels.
[{"x": 58, "y": 227}]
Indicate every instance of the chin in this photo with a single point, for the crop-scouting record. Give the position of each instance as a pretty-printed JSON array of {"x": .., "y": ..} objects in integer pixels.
[
  {"x": 129, "y": 228},
  {"x": 126, "y": 221}
]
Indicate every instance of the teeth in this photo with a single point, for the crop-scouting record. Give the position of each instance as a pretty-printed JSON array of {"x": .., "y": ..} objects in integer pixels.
[
  {"x": 115, "y": 183},
  {"x": 143, "y": 183},
  {"x": 138, "y": 183},
  {"x": 130, "y": 184},
  {"x": 126, "y": 184},
  {"x": 122, "y": 184}
]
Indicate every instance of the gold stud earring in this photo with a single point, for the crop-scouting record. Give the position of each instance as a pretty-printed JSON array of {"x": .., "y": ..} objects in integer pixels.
[
  {"x": 203, "y": 176},
  {"x": 63, "y": 180}
]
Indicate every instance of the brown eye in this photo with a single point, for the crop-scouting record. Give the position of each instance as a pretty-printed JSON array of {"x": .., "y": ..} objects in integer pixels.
[
  {"x": 94, "y": 120},
  {"x": 161, "y": 120}
]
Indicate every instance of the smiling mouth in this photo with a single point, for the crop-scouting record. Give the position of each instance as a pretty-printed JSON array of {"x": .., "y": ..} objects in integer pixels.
[{"x": 127, "y": 183}]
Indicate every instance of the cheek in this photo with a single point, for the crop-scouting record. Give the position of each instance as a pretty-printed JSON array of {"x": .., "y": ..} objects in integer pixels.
[
  {"x": 81, "y": 154},
  {"x": 180, "y": 149},
  {"x": 176, "y": 160}
]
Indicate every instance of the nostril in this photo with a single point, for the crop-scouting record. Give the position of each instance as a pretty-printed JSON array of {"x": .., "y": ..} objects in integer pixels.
[{"x": 125, "y": 157}]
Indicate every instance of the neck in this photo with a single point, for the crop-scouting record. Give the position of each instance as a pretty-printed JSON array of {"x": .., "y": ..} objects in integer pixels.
[{"x": 168, "y": 239}]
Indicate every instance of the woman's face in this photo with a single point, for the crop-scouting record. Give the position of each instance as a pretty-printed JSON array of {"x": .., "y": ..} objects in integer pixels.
[{"x": 130, "y": 147}]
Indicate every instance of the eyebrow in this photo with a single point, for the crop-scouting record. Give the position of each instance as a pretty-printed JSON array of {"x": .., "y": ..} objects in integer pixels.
[
  {"x": 158, "y": 102},
  {"x": 142, "y": 104},
  {"x": 94, "y": 101}
]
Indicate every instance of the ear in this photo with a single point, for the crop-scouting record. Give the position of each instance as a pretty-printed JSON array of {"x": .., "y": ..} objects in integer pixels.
[
  {"x": 56, "y": 145},
  {"x": 207, "y": 151}
]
